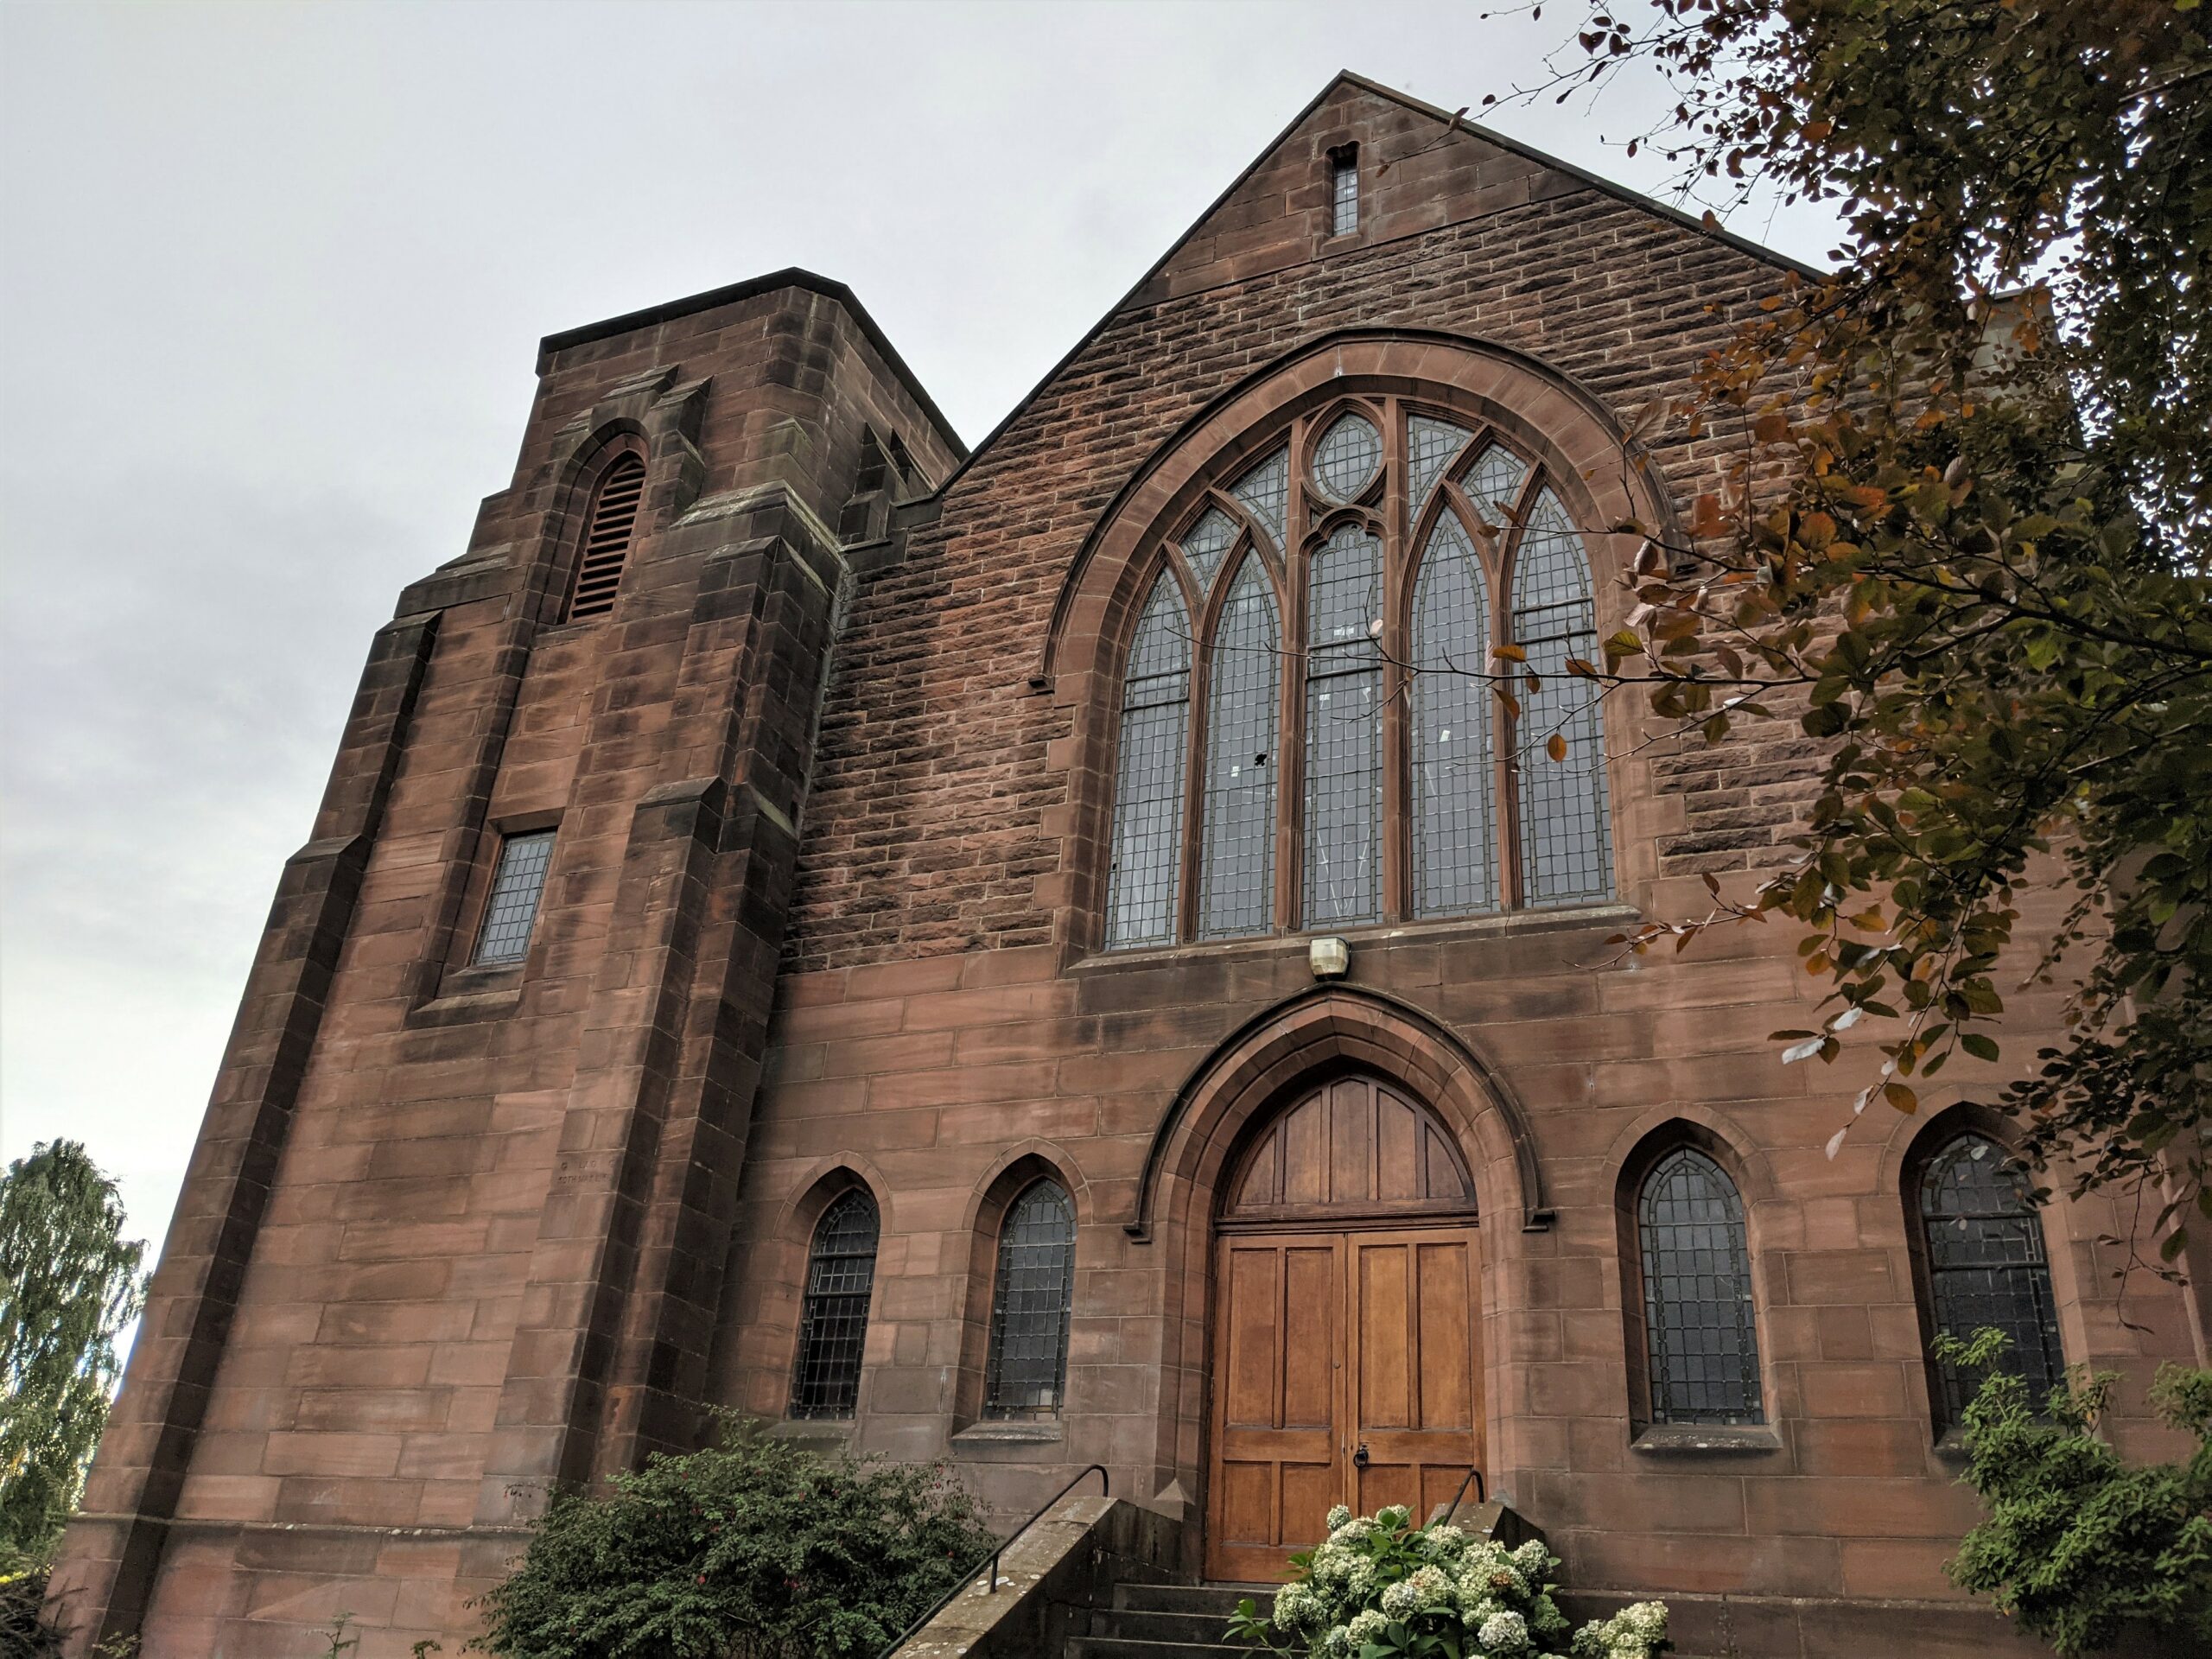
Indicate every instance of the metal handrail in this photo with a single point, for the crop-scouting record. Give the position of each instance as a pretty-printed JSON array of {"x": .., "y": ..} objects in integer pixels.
[
  {"x": 1482, "y": 1494},
  {"x": 1105, "y": 1489}
]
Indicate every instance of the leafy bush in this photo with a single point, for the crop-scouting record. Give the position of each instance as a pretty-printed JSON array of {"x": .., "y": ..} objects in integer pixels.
[
  {"x": 756, "y": 1549},
  {"x": 2077, "y": 1545},
  {"x": 1381, "y": 1587},
  {"x": 23, "y": 1633}
]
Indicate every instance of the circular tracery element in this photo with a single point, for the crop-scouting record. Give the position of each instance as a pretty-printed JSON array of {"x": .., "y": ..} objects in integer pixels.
[{"x": 1347, "y": 456}]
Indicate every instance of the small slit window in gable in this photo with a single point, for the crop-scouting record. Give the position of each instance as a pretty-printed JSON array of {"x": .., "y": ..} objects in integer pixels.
[
  {"x": 1343, "y": 190},
  {"x": 606, "y": 539}
]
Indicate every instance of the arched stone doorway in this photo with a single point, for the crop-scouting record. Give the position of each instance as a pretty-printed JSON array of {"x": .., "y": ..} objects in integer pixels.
[{"x": 1346, "y": 1358}]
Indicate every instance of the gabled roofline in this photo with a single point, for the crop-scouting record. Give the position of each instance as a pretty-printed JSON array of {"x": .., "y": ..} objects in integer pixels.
[
  {"x": 1634, "y": 198},
  {"x": 1595, "y": 181},
  {"x": 790, "y": 277}
]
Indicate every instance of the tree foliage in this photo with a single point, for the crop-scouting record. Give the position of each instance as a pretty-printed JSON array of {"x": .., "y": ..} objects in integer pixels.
[
  {"x": 2082, "y": 1548},
  {"x": 1964, "y": 534},
  {"x": 69, "y": 1284},
  {"x": 755, "y": 1548}
]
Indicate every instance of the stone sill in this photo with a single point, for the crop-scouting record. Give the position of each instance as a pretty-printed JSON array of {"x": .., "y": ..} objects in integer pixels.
[
  {"x": 816, "y": 1434},
  {"x": 1008, "y": 1433},
  {"x": 489, "y": 998},
  {"x": 1695, "y": 1439},
  {"x": 1550, "y": 918}
]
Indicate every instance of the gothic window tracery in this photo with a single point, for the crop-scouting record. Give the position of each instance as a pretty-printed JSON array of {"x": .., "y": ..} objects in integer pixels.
[{"x": 1348, "y": 747}]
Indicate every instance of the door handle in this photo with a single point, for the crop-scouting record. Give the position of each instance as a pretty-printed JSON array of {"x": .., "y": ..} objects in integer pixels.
[{"x": 1360, "y": 1458}]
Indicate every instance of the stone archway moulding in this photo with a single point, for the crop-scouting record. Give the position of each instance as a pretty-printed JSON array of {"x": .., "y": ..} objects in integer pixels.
[
  {"x": 1256, "y": 1066},
  {"x": 1589, "y": 453}
]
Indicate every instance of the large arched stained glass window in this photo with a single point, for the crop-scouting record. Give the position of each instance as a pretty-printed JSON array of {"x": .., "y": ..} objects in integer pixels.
[
  {"x": 1030, "y": 1302},
  {"x": 1453, "y": 765},
  {"x": 1236, "y": 885},
  {"x": 1352, "y": 589},
  {"x": 1344, "y": 730},
  {"x": 833, "y": 1319},
  {"x": 1987, "y": 1267},
  {"x": 1144, "y": 881},
  {"x": 1565, "y": 849},
  {"x": 1701, "y": 1344}
]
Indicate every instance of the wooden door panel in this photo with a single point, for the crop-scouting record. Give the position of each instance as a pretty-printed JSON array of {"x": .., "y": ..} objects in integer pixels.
[
  {"x": 1416, "y": 1403},
  {"x": 1326, "y": 1341},
  {"x": 1278, "y": 1418}
]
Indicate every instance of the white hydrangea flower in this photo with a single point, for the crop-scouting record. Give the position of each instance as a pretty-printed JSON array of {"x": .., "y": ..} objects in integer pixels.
[
  {"x": 1338, "y": 1517},
  {"x": 1339, "y": 1643},
  {"x": 1534, "y": 1559},
  {"x": 1393, "y": 1513},
  {"x": 1359, "y": 1583},
  {"x": 1443, "y": 1543},
  {"x": 1504, "y": 1634},
  {"x": 1368, "y": 1627},
  {"x": 1293, "y": 1603},
  {"x": 1646, "y": 1620},
  {"x": 1430, "y": 1587},
  {"x": 1479, "y": 1611},
  {"x": 1402, "y": 1601}
]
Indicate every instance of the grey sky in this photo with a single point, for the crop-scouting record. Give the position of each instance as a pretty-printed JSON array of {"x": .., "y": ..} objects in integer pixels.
[{"x": 270, "y": 281}]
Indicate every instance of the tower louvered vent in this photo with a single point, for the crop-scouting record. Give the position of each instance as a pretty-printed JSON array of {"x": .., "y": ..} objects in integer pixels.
[{"x": 606, "y": 543}]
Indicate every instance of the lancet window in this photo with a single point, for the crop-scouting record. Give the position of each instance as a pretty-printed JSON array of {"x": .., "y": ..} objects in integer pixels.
[{"x": 1352, "y": 693}]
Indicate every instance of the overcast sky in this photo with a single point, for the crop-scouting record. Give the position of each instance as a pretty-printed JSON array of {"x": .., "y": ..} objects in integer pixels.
[{"x": 272, "y": 277}]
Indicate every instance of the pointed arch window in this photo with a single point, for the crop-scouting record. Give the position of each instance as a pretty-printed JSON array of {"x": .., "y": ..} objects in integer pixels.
[
  {"x": 833, "y": 1319},
  {"x": 1351, "y": 590},
  {"x": 1149, "y": 780},
  {"x": 1031, "y": 1297},
  {"x": 1983, "y": 1264},
  {"x": 1701, "y": 1338},
  {"x": 607, "y": 532}
]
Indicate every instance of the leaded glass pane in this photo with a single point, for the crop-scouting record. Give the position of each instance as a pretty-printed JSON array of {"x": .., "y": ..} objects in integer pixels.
[
  {"x": 1697, "y": 1295},
  {"x": 1237, "y": 884},
  {"x": 1208, "y": 543},
  {"x": 1343, "y": 731},
  {"x": 1344, "y": 197},
  {"x": 1494, "y": 481},
  {"x": 517, "y": 886},
  {"x": 833, "y": 1319},
  {"x": 1430, "y": 446},
  {"x": 1143, "y": 883},
  {"x": 1029, "y": 1305},
  {"x": 1987, "y": 1267},
  {"x": 1454, "y": 868},
  {"x": 1347, "y": 456},
  {"x": 1265, "y": 490},
  {"x": 1566, "y": 842}
]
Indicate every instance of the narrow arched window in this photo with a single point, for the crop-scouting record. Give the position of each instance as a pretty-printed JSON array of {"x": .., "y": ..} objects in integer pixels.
[
  {"x": 1985, "y": 1266},
  {"x": 1030, "y": 1300},
  {"x": 1237, "y": 884},
  {"x": 607, "y": 531},
  {"x": 1701, "y": 1344},
  {"x": 1144, "y": 880},
  {"x": 1344, "y": 728},
  {"x": 1454, "y": 816},
  {"x": 833, "y": 1319},
  {"x": 1565, "y": 846}
]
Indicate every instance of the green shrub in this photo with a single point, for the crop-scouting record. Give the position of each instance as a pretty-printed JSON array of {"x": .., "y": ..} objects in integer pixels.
[
  {"x": 2077, "y": 1545},
  {"x": 756, "y": 1549},
  {"x": 1383, "y": 1588}
]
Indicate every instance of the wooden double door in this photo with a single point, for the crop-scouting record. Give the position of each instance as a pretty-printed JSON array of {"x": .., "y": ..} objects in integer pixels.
[{"x": 1347, "y": 1369}]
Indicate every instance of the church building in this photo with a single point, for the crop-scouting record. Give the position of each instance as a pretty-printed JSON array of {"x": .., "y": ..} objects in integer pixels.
[{"x": 1056, "y": 954}]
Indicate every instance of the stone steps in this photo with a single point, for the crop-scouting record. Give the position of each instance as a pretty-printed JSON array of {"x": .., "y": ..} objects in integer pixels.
[{"x": 1167, "y": 1621}]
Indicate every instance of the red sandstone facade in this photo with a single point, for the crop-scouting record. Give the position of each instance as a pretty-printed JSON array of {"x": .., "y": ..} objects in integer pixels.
[{"x": 832, "y": 795}]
